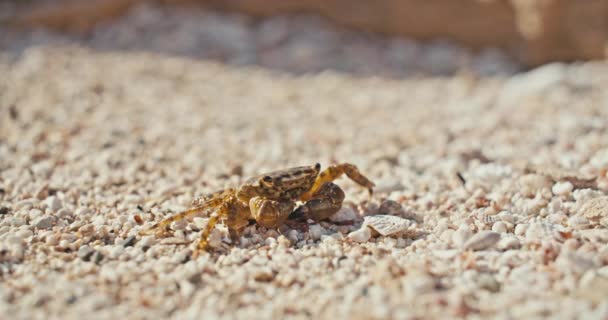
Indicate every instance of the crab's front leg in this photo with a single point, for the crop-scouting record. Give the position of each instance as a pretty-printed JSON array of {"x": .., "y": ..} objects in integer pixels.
[
  {"x": 233, "y": 212},
  {"x": 334, "y": 172},
  {"x": 326, "y": 201},
  {"x": 269, "y": 213}
]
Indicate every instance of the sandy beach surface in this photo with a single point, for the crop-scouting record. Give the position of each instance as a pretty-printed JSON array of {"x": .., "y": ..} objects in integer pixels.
[{"x": 494, "y": 180}]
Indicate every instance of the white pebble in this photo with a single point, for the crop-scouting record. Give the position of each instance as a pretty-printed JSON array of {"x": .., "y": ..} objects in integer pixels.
[
  {"x": 147, "y": 241},
  {"x": 509, "y": 242},
  {"x": 24, "y": 234},
  {"x": 482, "y": 240},
  {"x": 16, "y": 221},
  {"x": 115, "y": 252},
  {"x": 200, "y": 223},
  {"x": 578, "y": 222},
  {"x": 521, "y": 229},
  {"x": 460, "y": 236},
  {"x": 361, "y": 235},
  {"x": 562, "y": 188},
  {"x": 499, "y": 227},
  {"x": 179, "y": 225},
  {"x": 44, "y": 222},
  {"x": 54, "y": 203},
  {"x": 82, "y": 211},
  {"x": 315, "y": 231}
]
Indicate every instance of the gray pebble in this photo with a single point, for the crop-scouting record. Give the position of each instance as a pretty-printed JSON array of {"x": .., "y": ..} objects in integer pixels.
[
  {"x": 85, "y": 253},
  {"x": 44, "y": 222},
  {"x": 128, "y": 242},
  {"x": 482, "y": 240}
]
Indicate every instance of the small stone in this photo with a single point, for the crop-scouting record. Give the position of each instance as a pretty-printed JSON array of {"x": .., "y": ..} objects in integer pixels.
[
  {"x": 24, "y": 234},
  {"x": 482, "y": 240},
  {"x": 263, "y": 275},
  {"x": 83, "y": 211},
  {"x": 361, "y": 235},
  {"x": 345, "y": 214},
  {"x": 499, "y": 227},
  {"x": 179, "y": 225},
  {"x": 562, "y": 188},
  {"x": 54, "y": 203},
  {"x": 200, "y": 223},
  {"x": 44, "y": 222},
  {"x": 97, "y": 257},
  {"x": 85, "y": 252},
  {"x": 16, "y": 221},
  {"x": 315, "y": 231},
  {"x": 128, "y": 242},
  {"x": 460, "y": 236},
  {"x": 115, "y": 252},
  {"x": 532, "y": 183},
  {"x": 508, "y": 243},
  {"x": 521, "y": 229},
  {"x": 578, "y": 222},
  {"x": 147, "y": 241},
  {"x": 386, "y": 225},
  {"x": 390, "y": 207},
  {"x": 595, "y": 209}
]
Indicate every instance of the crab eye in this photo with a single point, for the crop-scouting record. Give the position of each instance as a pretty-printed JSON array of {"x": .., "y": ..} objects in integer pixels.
[
  {"x": 317, "y": 166},
  {"x": 267, "y": 179}
]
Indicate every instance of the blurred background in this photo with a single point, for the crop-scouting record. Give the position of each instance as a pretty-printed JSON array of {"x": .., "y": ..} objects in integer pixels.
[{"x": 389, "y": 38}]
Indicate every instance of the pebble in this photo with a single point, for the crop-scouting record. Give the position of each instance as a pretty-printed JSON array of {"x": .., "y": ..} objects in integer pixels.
[
  {"x": 482, "y": 240},
  {"x": 509, "y": 242},
  {"x": 361, "y": 235},
  {"x": 595, "y": 209},
  {"x": 82, "y": 211},
  {"x": 345, "y": 214},
  {"x": 128, "y": 242},
  {"x": 521, "y": 229},
  {"x": 499, "y": 227},
  {"x": 460, "y": 236},
  {"x": 54, "y": 203},
  {"x": 578, "y": 222},
  {"x": 97, "y": 257},
  {"x": 147, "y": 241},
  {"x": 315, "y": 231},
  {"x": 44, "y": 222},
  {"x": 115, "y": 252},
  {"x": 24, "y": 233},
  {"x": 16, "y": 221},
  {"x": 562, "y": 188},
  {"x": 85, "y": 252},
  {"x": 179, "y": 225}
]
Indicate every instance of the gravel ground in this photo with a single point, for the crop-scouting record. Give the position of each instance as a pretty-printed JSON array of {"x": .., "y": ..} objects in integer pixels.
[{"x": 496, "y": 187}]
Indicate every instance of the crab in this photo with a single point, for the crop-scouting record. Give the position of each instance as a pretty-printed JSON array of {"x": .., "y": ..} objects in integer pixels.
[{"x": 270, "y": 199}]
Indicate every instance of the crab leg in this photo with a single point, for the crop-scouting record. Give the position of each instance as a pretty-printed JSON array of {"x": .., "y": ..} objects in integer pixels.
[
  {"x": 334, "y": 172},
  {"x": 230, "y": 207},
  {"x": 325, "y": 202},
  {"x": 162, "y": 225}
]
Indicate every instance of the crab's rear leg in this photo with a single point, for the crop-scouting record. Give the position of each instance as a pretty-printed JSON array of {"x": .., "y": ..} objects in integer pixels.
[
  {"x": 334, "y": 172},
  {"x": 325, "y": 202},
  {"x": 210, "y": 201}
]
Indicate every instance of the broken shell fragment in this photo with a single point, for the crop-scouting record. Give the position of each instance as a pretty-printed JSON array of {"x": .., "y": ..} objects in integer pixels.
[{"x": 386, "y": 225}]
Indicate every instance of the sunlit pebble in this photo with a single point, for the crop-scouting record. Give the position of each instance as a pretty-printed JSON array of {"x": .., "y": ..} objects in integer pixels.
[
  {"x": 499, "y": 227},
  {"x": 562, "y": 188},
  {"x": 363, "y": 234}
]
